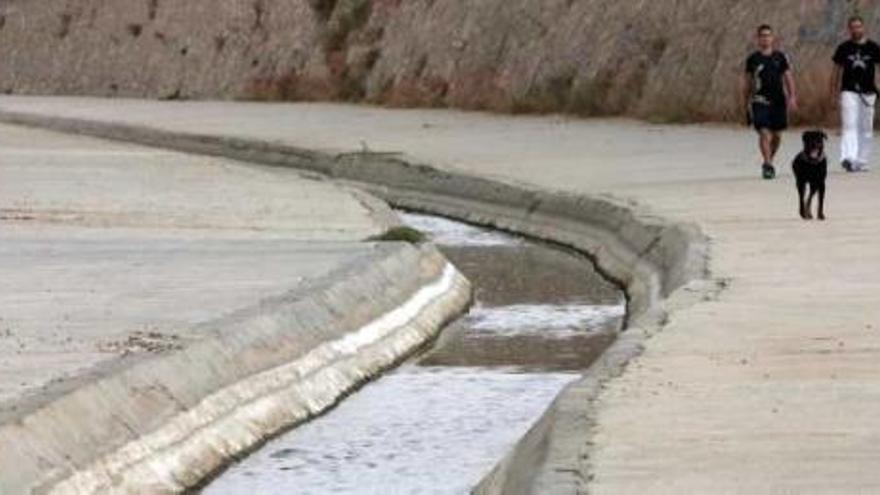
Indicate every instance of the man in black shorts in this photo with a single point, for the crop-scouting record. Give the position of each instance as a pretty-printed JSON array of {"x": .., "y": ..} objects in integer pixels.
[{"x": 769, "y": 92}]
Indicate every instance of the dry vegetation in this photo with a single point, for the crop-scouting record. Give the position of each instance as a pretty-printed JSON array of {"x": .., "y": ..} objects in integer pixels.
[{"x": 667, "y": 61}]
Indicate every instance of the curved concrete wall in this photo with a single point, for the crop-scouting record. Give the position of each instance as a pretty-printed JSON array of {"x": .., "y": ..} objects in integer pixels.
[
  {"x": 649, "y": 257},
  {"x": 165, "y": 423}
]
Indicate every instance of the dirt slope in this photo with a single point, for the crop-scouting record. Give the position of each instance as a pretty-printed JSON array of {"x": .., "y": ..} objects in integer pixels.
[{"x": 667, "y": 60}]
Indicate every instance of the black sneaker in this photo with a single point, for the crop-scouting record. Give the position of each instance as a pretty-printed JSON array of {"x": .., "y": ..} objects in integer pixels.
[
  {"x": 847, "y": 165},
  {"x": 767, "y": 171}
]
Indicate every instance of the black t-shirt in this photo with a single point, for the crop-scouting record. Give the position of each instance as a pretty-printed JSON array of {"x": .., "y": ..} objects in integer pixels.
[
  {"x": 766, "y": 72},
  {"x": 858, "y": 61}
]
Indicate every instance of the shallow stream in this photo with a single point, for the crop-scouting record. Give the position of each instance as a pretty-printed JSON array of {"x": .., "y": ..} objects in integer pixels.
[{"x": 441, "y": 421}]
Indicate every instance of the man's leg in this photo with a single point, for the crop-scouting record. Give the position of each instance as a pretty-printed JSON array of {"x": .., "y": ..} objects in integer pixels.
[
  {"x": 775, "y": 142},
  {"x": 762, "y": 117},
  {"x": 849, "y": 127},
  {"x": 765, "y": 143},
  {"x": 866, "y": 131}
]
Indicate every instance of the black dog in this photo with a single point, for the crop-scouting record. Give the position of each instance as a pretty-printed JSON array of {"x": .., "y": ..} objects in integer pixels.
[{"x": 811, "y": 167}]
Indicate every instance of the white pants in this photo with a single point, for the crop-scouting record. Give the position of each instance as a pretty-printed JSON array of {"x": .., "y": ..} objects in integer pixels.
[{"x": 857, "y": 127}]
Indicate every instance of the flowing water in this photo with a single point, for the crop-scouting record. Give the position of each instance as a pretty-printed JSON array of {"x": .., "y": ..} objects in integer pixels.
[{"x": 440, "y": 422}]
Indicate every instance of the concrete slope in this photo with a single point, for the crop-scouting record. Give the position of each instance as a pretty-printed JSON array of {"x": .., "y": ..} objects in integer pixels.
[
  {"x": 50, "y": 179},
  {"x": 767, "y": 385},
  {"x": 102, "y": 241},
  {"x": 161, "y": 313}
]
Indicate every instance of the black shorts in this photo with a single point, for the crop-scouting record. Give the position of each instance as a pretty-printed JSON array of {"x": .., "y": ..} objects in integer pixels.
[{"x": 770, "y": 117}]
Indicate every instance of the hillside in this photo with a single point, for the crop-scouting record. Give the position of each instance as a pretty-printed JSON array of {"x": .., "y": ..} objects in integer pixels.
[{"x": 664, "y": 60}]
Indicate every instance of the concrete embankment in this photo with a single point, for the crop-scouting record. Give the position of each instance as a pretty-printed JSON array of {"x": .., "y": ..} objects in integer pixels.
[
  {"x": 155, "y": 327},
  {"x": 649, "y": 257},
  {"x": 769, "y": 385},
  {"x": 167, "y": 422}
]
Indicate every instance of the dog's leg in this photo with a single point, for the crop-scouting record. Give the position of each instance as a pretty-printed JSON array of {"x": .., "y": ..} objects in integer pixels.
[
  {"x": 808, "y": 208},
  {"x": 821, "y": 213},
  {"x": 801, "y": 189}
]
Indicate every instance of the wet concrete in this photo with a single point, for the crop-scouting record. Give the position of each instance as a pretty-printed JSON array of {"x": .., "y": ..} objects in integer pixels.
[{"x": 441, "y": 421}]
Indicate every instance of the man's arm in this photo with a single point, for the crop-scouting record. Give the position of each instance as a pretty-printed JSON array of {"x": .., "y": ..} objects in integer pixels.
[
  {"x": 837, "y": 74},
  {"x": 790, "y": 90},
  {"x": 877, "y": 63},
  {"x": 836, "y": 78},
  {"x": 745, "y": 92}
]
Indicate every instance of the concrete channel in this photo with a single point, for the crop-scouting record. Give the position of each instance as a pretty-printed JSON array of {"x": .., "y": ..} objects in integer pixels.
[
  {"x": 649, "y": 257},
  {"x": 151, "y": 327},
  {"x": 444, "y": 419}
]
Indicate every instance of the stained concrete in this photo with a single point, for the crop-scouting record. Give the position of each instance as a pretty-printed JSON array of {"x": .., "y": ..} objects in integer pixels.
[
  {"x": 768, "y": 385},
  {"x": 111, "y": 249},
  {"x": 55, "y": 179},
  {"x": 162, "y": 312}
]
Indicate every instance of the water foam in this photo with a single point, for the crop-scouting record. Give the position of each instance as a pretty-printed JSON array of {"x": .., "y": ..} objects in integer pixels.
[{"x": 451, "y": 233}]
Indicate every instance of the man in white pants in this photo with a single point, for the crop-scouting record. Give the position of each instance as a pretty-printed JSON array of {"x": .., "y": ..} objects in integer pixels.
[{"x": 854, "y": 79}]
